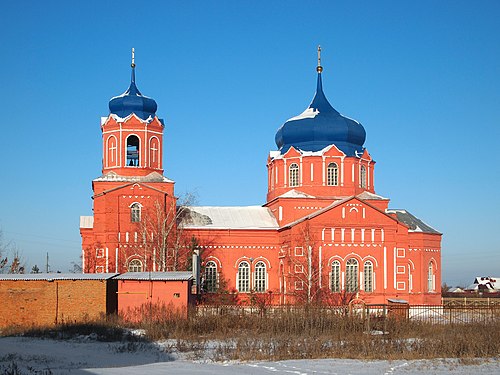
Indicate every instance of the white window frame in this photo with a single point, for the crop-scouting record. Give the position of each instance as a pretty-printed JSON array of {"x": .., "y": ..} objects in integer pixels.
[
  {"x": 260, "y": 277},
  {"x": 243, "y": 277},
  {"x": 299, "y": 268},
  {"x": 135, "y": 265},
  {"x": 135, "y": 213},
  {"x": 430, "y": 278},
  {"x": 211, "y": 277},
  {"x": 362, "y": 177},
  {"x": 293, "y": 175},
  {"x": 299, "y": 285},
  {"x": 332, "y": 174},
  {"x": 335, "y": 285},
  {"x": 368, "y": 285},
  {"x": 352, "y": 276}
]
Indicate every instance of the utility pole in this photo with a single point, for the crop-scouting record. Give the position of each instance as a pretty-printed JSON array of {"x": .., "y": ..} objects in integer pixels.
[{"x": 47, "y": 263}]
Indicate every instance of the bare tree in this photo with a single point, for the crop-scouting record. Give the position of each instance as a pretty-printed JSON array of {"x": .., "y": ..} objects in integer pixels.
[
  {"x": 305, "y": 269},
  {"x": 161, "y": 229},
  {"x": 6, "y": 248}
]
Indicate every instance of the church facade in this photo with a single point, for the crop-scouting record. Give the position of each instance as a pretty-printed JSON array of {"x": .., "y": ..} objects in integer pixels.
[{"x": 323, "y": 234}]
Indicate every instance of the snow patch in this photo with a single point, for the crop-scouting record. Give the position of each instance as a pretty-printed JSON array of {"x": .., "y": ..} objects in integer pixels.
[
  {"x": 308, "y": 113},
  {"x": 295, "y": 194}
]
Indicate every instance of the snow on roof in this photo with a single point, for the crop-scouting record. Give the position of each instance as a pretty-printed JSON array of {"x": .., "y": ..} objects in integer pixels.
[
  {"x": 366, "y": 195},
  {"x": 308, "y": 113},
  {"x": 124, "y": 119},
  {"x": 86, "y": 222},
  {"x": 152, "y": 177},
  {"x": 488, "y": 281},
  {"x": 57, "y": 276},
  {"x": 249, "y": 217},
  {"x": 274, "y": 154},
  {"x": 394, "y": 300},
  {"x": 162, "y": 276},
  {"x": 295, "y": 194},
  {"x": 413, "y": 223},
  {"x": 278, "y": 155}
]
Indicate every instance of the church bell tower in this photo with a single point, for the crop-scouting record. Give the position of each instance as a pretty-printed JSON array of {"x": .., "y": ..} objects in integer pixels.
[
  {"x": 131, "y": 188},
  {"x": 132, "y": 134}
]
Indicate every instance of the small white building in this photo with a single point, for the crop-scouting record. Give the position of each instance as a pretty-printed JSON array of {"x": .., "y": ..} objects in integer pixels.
[{"x": 489, "y": 283}]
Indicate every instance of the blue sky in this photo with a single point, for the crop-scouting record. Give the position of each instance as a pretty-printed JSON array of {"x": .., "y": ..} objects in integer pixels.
[{"x": 422, "y": 77}]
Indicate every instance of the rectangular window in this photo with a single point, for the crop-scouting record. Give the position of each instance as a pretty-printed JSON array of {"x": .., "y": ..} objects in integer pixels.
[
  {"x": 299, "y": 268},
  {"x": 299, "y": 251},
  {"x": 401, "y": 285},
  {"x": 401, "y": 270},
  {"x": 99, "y": 253},
  {"x": 400, "y": 252}
]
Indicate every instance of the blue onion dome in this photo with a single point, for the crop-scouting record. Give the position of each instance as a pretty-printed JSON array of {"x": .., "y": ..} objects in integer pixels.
[
  {"x": 319, "y": 126},
  {"x": 132, "y": 101}
]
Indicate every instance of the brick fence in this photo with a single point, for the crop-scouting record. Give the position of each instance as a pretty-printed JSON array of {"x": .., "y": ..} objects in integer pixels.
[{"x": 47, "y": 299}]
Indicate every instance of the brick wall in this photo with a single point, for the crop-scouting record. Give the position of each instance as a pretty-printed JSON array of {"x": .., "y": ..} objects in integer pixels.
[{"x": 43, "y": 302}]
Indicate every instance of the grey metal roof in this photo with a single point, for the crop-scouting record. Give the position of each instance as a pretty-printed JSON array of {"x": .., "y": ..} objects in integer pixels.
[
  {"x": 248, "y": 217},
  {"x": 58, "y": 276},
  {"x": 161, "y": 276},
  {"x": 412, "y": 222}
]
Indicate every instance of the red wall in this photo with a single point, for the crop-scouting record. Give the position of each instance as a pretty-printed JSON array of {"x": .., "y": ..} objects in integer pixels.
[{"x": 134, "y": 295}]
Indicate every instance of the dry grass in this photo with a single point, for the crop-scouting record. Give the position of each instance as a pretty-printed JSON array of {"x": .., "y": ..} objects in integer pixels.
[
  {"x": 313, "y": 333},
  {"x": 301, "y": 333}
]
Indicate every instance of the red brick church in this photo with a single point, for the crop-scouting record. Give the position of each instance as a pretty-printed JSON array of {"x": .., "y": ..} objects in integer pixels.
[{"x": 322, "y": 234}]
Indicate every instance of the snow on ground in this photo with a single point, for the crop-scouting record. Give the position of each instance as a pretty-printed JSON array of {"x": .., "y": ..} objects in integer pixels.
[{"x": 84, "y": 355}]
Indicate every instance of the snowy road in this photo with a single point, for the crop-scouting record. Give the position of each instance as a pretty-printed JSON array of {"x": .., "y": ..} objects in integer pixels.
[{"x": 86, "y": 356}]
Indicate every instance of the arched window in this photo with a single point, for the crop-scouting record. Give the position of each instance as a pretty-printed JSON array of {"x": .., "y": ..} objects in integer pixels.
[
  {"x": 260, "y": 277},
  {"x": 243, "y": 278},
  {"x": 335, "y": 280},
  {"x": 293, "y": 177},
  {"x": 135, "y": 265},
  {"x": 351, "y": 276},
  {"x": 362, "y": 176},
  {"x": 368, "y": 276},
  {"x": 135, "y": 213},
  {"x": 332, "y": 174},
  {"x": 430, "y": 278},
  {"x": 133, "y": 151},
  {"x": 210, "y": 281}
]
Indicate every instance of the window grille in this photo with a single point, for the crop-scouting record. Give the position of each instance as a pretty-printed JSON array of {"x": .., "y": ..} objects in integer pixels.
[
  {"x": 135, "y": 265},
  {"x": 260, "y": 277},
  {"x": 363, "y": 177},
  {"x": 351, "y": 275},
  {"x": 135, "y": 213},
  {"x": 335, "y": 281},
  {"x": 294, "y": 175},
  {"x": 332, "y": 174},
  {"x": 368, "y": 277},
  {"x": 210, "y": 277},
  {"x": 243, "y": 277},
  {"x": 430, "y": 278}
]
